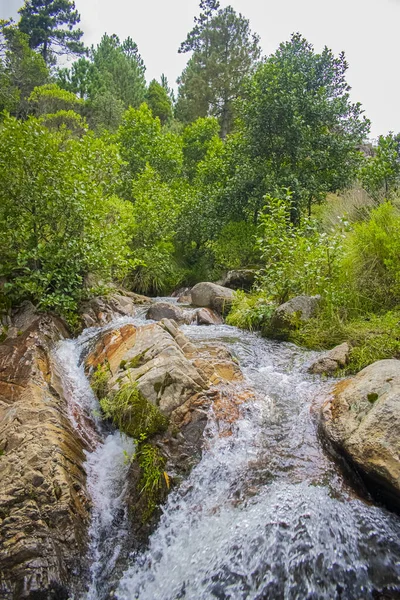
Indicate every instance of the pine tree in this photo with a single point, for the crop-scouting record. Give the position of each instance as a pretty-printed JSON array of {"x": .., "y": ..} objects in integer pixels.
[
  {"x": 225, "y": 52},
  {"x": 50, "y": 25}
]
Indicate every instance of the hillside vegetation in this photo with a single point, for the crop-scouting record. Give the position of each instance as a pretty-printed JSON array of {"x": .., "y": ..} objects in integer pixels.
[{"x": 259, "y": 162}]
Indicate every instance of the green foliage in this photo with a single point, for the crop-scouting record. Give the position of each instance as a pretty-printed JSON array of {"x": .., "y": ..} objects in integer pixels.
[
  {"x": 198, "y": 139},
  {"x": 380, "y": 175},
  {"x": 99, "y": 381},
  {"x": 159, "y": 101},
  {"x": 60, "y": 219},
  {"x": 300, "y": 129},
  {"x": 143, "y": 141},
  {"x": 50, "y": 98},
  {"x": 251, "y": 312},
  {"x": 132, "y": 413},
  {"x": 235, "y": 245},
  {"x": 224, "y": 53},
  {"x": 21, "y": 70},
  {"x": 370, "y": 274},
  {"x": 372, "y": 337},
  {"x": 296, "y": 259},
  {"x": 51, "y": 27},
  {"x": 154, "y": 481}
]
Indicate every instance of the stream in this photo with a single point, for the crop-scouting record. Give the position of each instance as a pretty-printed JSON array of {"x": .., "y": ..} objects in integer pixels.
[{"x": 267, "y": 514}]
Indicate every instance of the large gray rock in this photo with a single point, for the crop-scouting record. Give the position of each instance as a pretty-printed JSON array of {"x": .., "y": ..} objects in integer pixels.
[
  {"x": 289, "y": 315},
  {"x": 331, "y": 361},
  {"x": 211, "y": 295},
  {"x": 104, "y": 309},
  {"x": 241, "y": 279},
  {"x": 166, "y": 310},
  {"x": 362, "y": 419}
]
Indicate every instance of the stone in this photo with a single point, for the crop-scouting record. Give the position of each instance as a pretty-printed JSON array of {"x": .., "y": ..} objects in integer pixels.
[
  {"x": 205, "y": 316},
  {"x": 44, "y": 510},
  {"x": 362, "y": 420},
  {"x": 103, "y": 309},
  {"x": 183, "y": 295},
  {"x": 183, "y": 380},
  {"x": 289, "y": 315},
  {"x": 240, "y": 279},
  {"x": 211, "y": 295},
  {"x": 166, "y": 310},
  {"x": 331, "y": 361}
]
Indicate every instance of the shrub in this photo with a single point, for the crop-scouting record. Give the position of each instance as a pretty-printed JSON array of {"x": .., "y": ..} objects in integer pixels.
[
  {"x": 296, "y": 259},
  {"x": 235, "y": 245},
  {"x": 132, "y": 413},
  {"x": 59, "y": 218}
]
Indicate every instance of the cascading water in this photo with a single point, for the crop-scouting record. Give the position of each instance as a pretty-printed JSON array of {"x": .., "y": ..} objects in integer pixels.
[
  {"x": 106, "y": 466},
  {"x": 264, "y": 515}
]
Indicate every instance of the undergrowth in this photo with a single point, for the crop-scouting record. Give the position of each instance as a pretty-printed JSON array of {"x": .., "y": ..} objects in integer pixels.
[
  {"x": 132, "y": 413},
  {"x": 154, "y": 481}
]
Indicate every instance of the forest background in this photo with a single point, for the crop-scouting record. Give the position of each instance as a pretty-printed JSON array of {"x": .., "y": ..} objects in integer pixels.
[{"x": 256, "y": 162}]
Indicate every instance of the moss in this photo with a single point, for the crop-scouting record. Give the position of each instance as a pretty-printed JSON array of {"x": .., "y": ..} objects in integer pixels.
[
  {"x": 132, "y": 413},
  {"x": 154, "y": 481},
  {"x": 122, "y": 364},
  {"x": 372, "y": 398},
  {"x": 137, "y": 361},
  {"x": 99, "y": 381}
]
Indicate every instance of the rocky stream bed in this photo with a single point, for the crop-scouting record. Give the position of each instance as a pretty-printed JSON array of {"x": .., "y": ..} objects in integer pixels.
[{"x": 260, "y": 506}]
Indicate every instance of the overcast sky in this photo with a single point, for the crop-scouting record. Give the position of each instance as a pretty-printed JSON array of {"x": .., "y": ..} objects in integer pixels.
[{"x": 367, "y": 30}]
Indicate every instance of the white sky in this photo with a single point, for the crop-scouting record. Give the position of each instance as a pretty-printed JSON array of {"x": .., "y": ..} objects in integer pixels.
[{"x": 367, "y": 30}]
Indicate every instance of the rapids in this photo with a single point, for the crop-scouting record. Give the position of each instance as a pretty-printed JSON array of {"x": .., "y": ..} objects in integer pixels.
[{"x": 265, "y": 515}]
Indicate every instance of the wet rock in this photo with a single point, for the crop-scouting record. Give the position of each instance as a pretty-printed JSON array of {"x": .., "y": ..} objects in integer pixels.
[
  {"x": 362, "y": 420},
  {"x": 211, "y": 295},
  {"x": 183, "y": 380},
  {"x": 166, "y": 310},
  {"x": 331, "y": 361},
  {"x": 183, "y": 295},
  {"x": 43, "y": 506},
  {"x": 289, "y": 315},
  {"x": 104, "y": 309},
  {"x": 205, "y": 316},
  {"x": 241, "y": 279}
]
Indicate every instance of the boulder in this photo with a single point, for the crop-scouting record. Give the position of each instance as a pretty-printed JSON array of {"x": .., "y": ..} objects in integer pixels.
[
  {"x": 166, "y": 310},
  {"x": 211, "y": 295},
  {"x": 362, "y": 420},
  {"x": 289, "y": 315},
  {"x": 104, "y": 309},
  {"x": 44, "y": 510},
  {"x": 241, "y": 279},
  {"x": 183, "y": 295},
  {"x": 205, "y": 316},
  {"x": 331, "y": 361}
]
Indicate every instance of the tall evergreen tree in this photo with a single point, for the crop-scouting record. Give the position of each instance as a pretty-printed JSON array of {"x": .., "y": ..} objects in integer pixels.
[
  {"x": 225, "y": 51},
  {"x": 51, "y": 27}
]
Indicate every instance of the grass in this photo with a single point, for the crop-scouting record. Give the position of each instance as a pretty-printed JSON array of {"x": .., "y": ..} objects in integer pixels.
[
  {"x": 132, "y": 413},
  {"x": 372, "y": 337}
]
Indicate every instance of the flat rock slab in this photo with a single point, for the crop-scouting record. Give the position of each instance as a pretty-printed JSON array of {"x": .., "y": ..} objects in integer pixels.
[{"x": 44, "y": 510}]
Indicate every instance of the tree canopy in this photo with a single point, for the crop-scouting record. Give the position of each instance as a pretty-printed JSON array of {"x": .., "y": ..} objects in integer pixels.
[{"x": 51, "y": 27}]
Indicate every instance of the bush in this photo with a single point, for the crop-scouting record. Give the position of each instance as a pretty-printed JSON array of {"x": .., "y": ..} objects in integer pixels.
[
  {"x": 59, "y": 218},
  {"x": 235, "y": 245},
  {"x": 296, "y": 259},
  {"x": 370, "y": 270}
]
